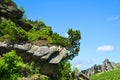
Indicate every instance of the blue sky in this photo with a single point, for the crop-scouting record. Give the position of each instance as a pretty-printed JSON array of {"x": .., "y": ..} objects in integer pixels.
[{"x": 98, "y": 21}]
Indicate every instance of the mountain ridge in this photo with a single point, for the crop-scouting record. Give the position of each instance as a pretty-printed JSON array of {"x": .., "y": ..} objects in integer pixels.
[{"x": 103, "y": 68}]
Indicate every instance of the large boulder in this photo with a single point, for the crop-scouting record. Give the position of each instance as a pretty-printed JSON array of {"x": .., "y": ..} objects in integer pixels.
[{"x": 46, "y": 57}]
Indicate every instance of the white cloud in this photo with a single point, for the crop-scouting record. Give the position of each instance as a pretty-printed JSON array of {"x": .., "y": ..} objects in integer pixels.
[
  {"x": 105, "y": 48},
  {"x": 78, "y": 66},
  {"x": 113, "y": 18}
]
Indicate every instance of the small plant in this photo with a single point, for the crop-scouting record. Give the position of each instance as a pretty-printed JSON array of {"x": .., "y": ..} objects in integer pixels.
[
  {"x": 44, "y": 78},
  {"x": 7, "y": 1}
]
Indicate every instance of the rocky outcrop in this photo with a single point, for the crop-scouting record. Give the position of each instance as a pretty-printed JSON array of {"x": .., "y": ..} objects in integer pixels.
[
  {"x": 80, "y": 76},
  {"x": 47, "y": 57},
  {"x": 91, "y": 71},
  {"x": 106, "y": 66},
  {"x": 10, "y": 11}
]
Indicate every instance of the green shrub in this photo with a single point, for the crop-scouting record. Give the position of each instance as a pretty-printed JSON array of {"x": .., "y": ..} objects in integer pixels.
[
  {"x": 37, "y": 35},
  {"x": 5, "y": 38},
  {"x": 32, "y": 68},
  {"x": 14, "y": 33},
  {"x": 74, "y": 37},
  {"x": 38, "y": 25},
  {"x": 44, "y": 78},
  {"x": 59, "y": 40},
  {"x": 39, "y": 31},
  {"x": 64, "y": 70},
  {"x": 9, "y": 66}
]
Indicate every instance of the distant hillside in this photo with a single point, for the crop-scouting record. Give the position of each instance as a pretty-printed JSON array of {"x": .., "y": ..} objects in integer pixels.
[
  {"x": 106, "y": 66},
  {"x": 110, "y": 75}
]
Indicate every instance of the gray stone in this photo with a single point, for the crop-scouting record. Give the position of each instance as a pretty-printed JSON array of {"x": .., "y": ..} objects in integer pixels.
[
  {"x": 41, "y": 51},
  {"x": 92, "y": 70},
  {"x": 33, "y": 49},
  {"x": 79, "y": 76},
  {"x": 106, "y": 66},
  {"x": 26, "y": 46},
  {"x": 3, "y": 44},
  {"x": 53, "y": 49},
  {"x": 3, "y": 11},
  {"x": 11, "y": 8},
  {"x": 59, "y": 57}
]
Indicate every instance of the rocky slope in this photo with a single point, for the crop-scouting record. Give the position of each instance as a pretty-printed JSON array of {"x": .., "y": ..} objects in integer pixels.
[
  {"x": 45, "y": 56},
  {"x": 104, "y": 67},
  {"x": 10, "y": 11}
]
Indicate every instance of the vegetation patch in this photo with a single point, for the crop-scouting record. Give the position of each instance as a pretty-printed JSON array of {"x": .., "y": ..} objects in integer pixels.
[
  {"x": 111, "y": 75},
  {"x": 12, "y": 67}
]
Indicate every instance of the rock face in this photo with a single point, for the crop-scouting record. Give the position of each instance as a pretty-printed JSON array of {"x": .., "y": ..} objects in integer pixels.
[
  {"x": 80, "y": 76},
  {"x": 93, "y": 70},
  {"x": 106, "y": 66},
  {"x": 45, "y": 57},
  {"x": 10, "y": 11}
]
